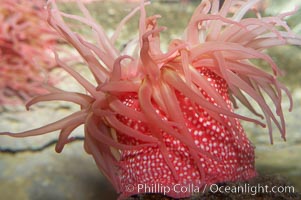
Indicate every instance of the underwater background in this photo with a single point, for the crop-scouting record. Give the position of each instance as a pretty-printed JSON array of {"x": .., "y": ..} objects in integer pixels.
[{"x": 30, "y": 168}]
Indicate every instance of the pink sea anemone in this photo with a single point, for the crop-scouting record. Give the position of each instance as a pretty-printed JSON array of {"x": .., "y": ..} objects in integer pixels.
[
  {"x": 167, "y": 118},
  {"x": 25, "y": 43}
]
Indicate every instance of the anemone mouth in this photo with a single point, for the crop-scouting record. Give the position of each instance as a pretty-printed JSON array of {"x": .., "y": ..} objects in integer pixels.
[{"x": 216, "y": 39}]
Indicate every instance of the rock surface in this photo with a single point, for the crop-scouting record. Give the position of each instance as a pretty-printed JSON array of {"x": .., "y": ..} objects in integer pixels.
[{"x": 49, "y": 176}]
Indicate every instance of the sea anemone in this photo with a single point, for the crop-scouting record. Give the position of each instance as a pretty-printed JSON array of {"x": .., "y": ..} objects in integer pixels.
[
  {"x": 25, "y": 56},
  {"x": 167, "y": 118}
]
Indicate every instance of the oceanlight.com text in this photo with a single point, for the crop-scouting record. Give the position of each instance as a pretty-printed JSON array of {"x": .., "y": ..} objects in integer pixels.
[
  {"x": 213, "y": 188},
  {"x": 251, "y": 189}
]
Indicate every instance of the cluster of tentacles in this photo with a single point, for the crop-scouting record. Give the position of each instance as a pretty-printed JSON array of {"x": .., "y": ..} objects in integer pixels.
[{"x": 26, "y": 41}]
